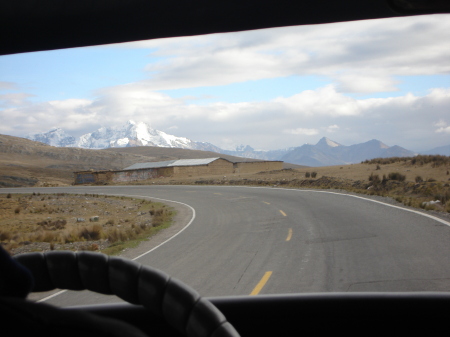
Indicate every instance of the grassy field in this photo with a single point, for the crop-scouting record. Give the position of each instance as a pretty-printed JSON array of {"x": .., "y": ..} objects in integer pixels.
[{"x": 79, "y": 222}]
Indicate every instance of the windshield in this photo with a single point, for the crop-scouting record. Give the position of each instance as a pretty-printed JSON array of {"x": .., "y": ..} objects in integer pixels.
[{"x": 314, "y": 104}]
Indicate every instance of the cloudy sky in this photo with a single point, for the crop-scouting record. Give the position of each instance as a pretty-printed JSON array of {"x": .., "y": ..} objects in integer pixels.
[{"x": 352, "y": 82}]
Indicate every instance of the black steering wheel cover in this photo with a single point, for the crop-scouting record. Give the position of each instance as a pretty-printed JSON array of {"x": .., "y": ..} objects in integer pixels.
[
  {"x": 123, "y": 279},
  {"x": 93, "y": 269},
  {"x": 37, "y": 265},
  {"x": 151, "y": 288},
  {"x": 204, "y": 308},
  {"x": 180, "y": 305},
  {"x": 68, "y": 275}
]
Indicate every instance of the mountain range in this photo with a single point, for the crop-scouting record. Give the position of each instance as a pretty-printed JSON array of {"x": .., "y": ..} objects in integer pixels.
[
  {"x": 131, "y": 134},
  {"x": 326, "y": 152}
]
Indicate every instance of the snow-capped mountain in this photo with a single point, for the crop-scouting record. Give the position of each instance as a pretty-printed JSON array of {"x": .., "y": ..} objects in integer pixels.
[
  {"x": 54, "y": 137},
  {"x": 131, "y": 134}
]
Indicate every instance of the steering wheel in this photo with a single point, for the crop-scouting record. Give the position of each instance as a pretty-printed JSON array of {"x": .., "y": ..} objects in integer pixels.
[{"x": 181, "y": 306}]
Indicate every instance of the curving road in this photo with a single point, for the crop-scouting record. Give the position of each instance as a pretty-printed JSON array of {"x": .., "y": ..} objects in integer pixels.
[{"x": 268, "y": 240}]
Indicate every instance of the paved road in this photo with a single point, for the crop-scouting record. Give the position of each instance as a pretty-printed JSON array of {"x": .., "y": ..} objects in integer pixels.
[{"x": 289, "y": 241}]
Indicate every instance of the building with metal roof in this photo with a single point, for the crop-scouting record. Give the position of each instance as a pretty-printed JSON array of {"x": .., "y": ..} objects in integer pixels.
[
  {"x": 172, "y": 163},
  {"x": 181, "y": 168}
]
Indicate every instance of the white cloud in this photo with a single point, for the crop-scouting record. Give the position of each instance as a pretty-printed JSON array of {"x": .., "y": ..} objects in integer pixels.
[
  {"x": 405, "y": 120},
  {"x": 442, "y": 127},
  {"x": 332, "y": 128},
  {"x": 366, "y": 82},
  {"x": 324, "y": 101},
  {"x": 7, "y": 85},
  {"x": 14, "y": 99},
  {"x": 302, "y": 131},
  {"x": 361, "y": 57}
]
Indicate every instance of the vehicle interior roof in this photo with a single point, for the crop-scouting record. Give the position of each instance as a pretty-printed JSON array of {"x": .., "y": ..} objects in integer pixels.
[{"x": 36, "y": 25}]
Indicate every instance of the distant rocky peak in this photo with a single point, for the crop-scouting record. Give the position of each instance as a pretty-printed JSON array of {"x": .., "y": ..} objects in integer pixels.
[
  {"x": 244, "y": 148},
  {"x": 377, "y": 143},
  {"x": 326, "y": 142},
  {"x": 54, "y": 137}
]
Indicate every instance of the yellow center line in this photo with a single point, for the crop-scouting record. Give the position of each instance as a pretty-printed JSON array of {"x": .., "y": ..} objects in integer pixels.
[
  {"x": 218, "y": 193},
  {"x": 284, "y": 214},
  {"x": 289, "y": 234},
  {"x": 267, "y": 203},
  {"x": 261, "y": 283}
]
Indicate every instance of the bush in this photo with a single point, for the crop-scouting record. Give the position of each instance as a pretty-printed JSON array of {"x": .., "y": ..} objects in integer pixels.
[
  {"x": 313, "y": 174},
  {"x": 375, "y": 178},
  {"x": 307, "y": 174},
  {"x": 93, "y": 233},
  {"x": 419, "y": 179},
  {"x": 435, "y": 160},
  {"x": 396, "y": 176}
]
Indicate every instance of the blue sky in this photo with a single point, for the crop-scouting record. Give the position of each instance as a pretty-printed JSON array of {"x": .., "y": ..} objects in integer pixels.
[{"x": 387, "y": 79}]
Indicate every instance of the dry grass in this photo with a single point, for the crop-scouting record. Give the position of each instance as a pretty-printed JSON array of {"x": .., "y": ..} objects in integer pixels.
[{"x": 62, "y": 218}]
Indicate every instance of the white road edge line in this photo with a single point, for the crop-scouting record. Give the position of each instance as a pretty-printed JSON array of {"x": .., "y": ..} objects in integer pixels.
[
  {"x": 189, "y": 223},
  {"x": 358, "y": 197},
  {"x": 393, "y": 206},
  {"x": 151, "y": 250},
  {"x": 51, "y": 296}
]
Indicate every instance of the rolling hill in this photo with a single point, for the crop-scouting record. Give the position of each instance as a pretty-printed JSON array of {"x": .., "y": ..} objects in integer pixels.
[{"x": 25, "y": 162}]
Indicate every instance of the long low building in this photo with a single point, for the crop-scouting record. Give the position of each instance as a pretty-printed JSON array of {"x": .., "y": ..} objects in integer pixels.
[{"x": 181, "y": 168}]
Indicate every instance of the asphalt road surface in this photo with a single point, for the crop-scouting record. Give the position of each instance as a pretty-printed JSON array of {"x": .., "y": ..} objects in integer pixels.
[{"x": 242, "y": 241}]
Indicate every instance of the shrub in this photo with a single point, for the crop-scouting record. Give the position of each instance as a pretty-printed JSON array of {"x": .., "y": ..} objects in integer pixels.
[
  {"x": 419, "y": 179},
  {"x": 307, "y": 174},
  {"x": 313, "y": 174},
  {"x": 396, "y": 176},
  {"x": 375, "y": 178},
  {"x": 93, "y": 233},
  {"x": 115, "y": 235},
  {"x": 8, "y": 195},
  {"x": 4, "y": 236}
]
